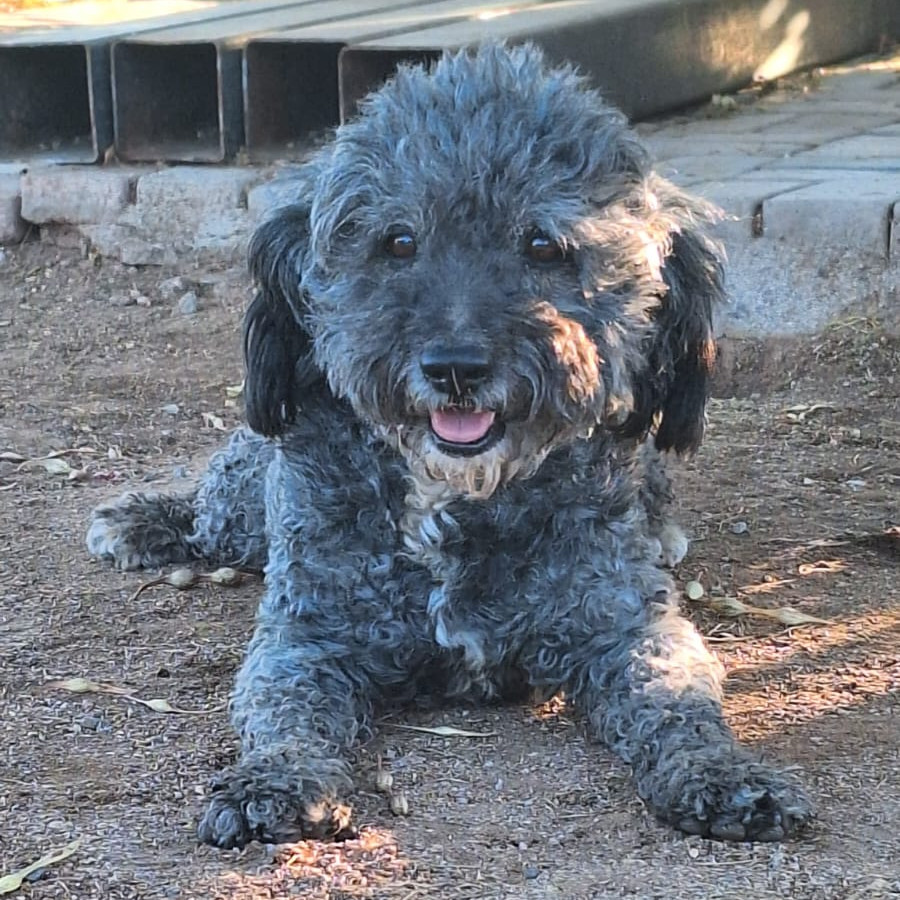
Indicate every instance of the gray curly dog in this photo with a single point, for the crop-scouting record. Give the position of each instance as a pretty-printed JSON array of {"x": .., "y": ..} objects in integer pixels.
[{"x": 474, "y": 329}]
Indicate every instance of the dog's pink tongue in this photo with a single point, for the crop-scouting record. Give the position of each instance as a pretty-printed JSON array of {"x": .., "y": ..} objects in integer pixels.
[{"x": 461, "y": 426}]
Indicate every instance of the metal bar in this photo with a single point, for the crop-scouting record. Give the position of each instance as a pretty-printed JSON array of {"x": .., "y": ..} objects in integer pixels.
[
  {"x": 648, "y": 56},
  {"x": 55, "y": 95},
  {"x": 291, "y": 87},
  {"x": 177, "y": 102},
  {"x": 177, "y": 92},
  {"x": 54, "y": 103}
]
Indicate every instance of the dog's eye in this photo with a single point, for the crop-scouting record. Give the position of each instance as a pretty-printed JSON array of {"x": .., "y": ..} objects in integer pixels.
[
  {"x": 400, "y": 246},
  {"x": 543, "y": 249}
]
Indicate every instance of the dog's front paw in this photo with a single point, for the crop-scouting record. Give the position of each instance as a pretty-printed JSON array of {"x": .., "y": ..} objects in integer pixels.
[
  {"x": 111, "y": 537},
  {"x": 142, "y": 531},
  {"x": 735, "y": 798},
  {"x": 244, "y": 807}
]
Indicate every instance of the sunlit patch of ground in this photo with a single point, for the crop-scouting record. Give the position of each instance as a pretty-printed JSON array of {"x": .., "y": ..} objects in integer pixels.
[{"x": 358, "y": 868}]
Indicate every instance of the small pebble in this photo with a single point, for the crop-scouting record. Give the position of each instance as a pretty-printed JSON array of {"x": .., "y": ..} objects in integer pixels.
[
  {"x": 693, "y": 590},
  {"x": 399, "y": 804},
  {"x": 530, "y": 872},
  {"x": 170, "y": 409},
  {"x": 172, "y": 287},
  {"x": 739, "y": 527},
  {"x": 188, "y": 304}
]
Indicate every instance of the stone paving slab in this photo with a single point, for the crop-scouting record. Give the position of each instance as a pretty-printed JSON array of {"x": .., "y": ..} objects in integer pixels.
[{"x": 810, "y": 184}]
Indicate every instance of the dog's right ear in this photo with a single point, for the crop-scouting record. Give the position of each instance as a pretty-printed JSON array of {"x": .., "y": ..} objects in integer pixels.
[{"x": 277, "y": 348}]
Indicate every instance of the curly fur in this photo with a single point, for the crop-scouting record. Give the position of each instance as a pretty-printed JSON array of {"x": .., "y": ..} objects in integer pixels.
[{"x": 398, "y": 569}]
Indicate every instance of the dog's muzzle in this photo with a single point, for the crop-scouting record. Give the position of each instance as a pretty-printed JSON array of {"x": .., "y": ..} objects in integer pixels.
[{"x": 460, "y": 427}]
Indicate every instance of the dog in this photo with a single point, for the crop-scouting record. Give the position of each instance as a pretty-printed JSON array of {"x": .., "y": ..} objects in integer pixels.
[{"x": 476, "y": 327}]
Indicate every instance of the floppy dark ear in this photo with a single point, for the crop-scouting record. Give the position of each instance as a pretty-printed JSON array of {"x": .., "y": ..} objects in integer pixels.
[
  {"x": 277, "y": 349},
  {"x": 680, "y": 349}
]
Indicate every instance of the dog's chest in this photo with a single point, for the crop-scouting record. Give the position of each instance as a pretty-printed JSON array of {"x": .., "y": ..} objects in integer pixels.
[{"x": 458, "y": 541}]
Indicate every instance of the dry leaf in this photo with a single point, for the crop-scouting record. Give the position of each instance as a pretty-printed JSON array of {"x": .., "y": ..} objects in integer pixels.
[
  {"x": 179, "y": 578},
  {"x": 787, "y": 615},
  {"x": 822, "y": 566},
  {"x": 53, "y": 465},
  {"x": 13, "y": 881},
  {"x": 68, "y": 450},
  {"x": 802, "y": 411},
  {"x": 163, "y": 706},
  {"x": 9, "y": 456},
  {"x": 234, "y": 390},
  {"x": 447, "y": 731},
  {"x": 790, "y": 616},
  {"x": 213, "y": 421},
  {"x": 86, "y": 686},
  {"x": 186, "y": 578},
  {"x": 766, "y": 587}
]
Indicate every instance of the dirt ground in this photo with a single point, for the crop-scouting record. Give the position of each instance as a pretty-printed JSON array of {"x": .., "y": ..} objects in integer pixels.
[{"x": 793, "y": 501}]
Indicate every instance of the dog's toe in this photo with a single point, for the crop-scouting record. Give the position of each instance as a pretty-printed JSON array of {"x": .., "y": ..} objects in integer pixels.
[
  {"x": 223, "y": 825},
  {"x": 743, "y": 801},
  {"x": 107, "y": 540},
  {"x": 242, "y": 810}
]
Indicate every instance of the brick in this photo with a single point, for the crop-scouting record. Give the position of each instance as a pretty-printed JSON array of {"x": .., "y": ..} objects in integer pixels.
[
  {"x": 690, "y": 169},
  {"x": 664, "y": 146},
  {"x": 269, "y": 196},
  {"x": 869, "y": 147},
  {"x": 818, "y": 126},
  {"x": 74, "y": 195},
  {"x": 12, "y": 226},
  {"x": 740, "y": 200},
  {"x": 125, "y": 244},
  {"x": 803, "y": 162},
  {"x": 197, "y": 188},
  {"x": 851, "y": 212}
]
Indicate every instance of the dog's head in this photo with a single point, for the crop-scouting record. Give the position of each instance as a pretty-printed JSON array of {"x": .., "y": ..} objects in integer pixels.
[{"x": 484, "y": 265}]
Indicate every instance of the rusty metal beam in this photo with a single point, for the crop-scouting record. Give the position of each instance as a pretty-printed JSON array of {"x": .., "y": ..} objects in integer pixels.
[
  {"x": 291, "y": 88},
  {"x": 649, "y": 56}
]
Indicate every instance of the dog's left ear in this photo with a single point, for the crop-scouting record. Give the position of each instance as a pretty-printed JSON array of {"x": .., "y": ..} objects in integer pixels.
[
  {"x": 277, "y": 347},
  {"x": 680, "y": 348}
]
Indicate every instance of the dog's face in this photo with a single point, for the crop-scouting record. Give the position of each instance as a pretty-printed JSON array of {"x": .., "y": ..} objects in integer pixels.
[{"x": 485, "y": 271}]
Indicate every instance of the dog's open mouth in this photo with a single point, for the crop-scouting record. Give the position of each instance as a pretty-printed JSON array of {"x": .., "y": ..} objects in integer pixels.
[{"x": 461, "y": 431}]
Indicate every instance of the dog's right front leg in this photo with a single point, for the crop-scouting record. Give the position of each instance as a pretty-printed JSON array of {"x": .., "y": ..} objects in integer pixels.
[{"x": 298, "y": 707}]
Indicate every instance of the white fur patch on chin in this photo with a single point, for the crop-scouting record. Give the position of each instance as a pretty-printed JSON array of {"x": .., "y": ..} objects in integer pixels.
[{"x": 518, "y": 454}]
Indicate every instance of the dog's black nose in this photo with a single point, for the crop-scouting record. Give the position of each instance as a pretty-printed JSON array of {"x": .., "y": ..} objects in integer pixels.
[{"x": 456, "y": 369}]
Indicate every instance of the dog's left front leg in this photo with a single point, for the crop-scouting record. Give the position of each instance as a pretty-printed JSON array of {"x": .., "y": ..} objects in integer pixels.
[{"x": 651, "y": 691}]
